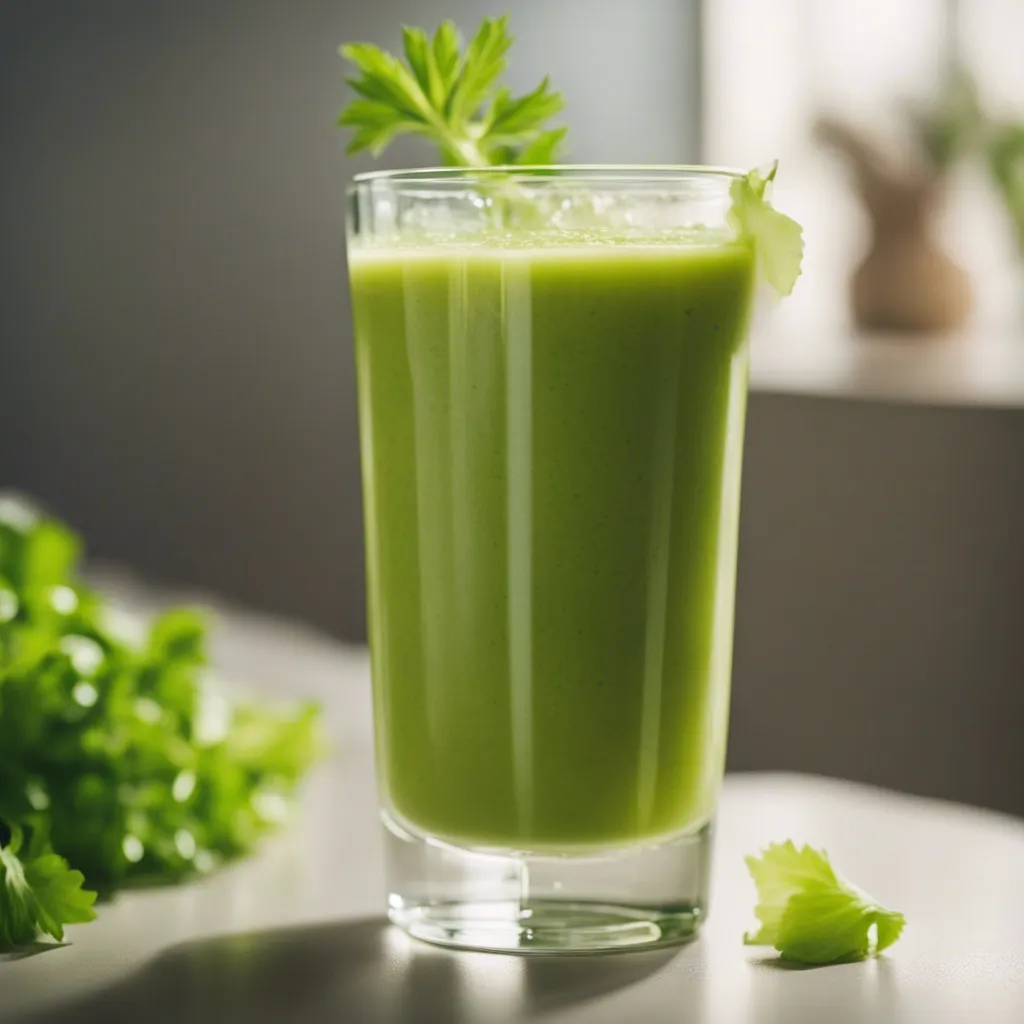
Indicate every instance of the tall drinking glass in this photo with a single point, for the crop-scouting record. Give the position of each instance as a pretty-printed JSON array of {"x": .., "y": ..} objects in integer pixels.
[{"x": 552, "y": 373}]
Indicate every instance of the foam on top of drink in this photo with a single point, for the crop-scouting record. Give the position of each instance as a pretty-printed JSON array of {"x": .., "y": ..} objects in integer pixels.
[{"x": 545, "y": 242}]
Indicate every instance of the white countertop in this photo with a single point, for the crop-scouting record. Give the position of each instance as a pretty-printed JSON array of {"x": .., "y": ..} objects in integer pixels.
[{"x": 296, "y": 934}]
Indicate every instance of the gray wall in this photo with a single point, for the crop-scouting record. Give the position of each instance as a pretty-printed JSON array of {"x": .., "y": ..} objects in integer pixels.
[
  {"x": 880, "y": 603},
  {"x": 175, "y": 359}
]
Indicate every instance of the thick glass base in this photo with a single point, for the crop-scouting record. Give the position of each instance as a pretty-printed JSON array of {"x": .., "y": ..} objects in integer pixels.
[{"x": 628, "y": 898}]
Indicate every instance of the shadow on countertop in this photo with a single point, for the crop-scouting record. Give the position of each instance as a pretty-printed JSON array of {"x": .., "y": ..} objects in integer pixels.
[{"x": 362, "y": 971}]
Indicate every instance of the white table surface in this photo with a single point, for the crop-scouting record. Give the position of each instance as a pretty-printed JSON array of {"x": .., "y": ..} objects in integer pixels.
[{"x": 296, "y": 934}]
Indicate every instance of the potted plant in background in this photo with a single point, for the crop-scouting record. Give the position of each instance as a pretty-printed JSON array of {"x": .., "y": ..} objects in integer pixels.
[{"x": 907, "y": 282}]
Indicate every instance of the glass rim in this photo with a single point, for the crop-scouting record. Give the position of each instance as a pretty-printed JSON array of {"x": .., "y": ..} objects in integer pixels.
[{"x": 607, "y": 174}]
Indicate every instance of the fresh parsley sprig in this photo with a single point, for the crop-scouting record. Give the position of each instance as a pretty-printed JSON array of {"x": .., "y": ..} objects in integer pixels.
[
  {"x": 39, "y": 894},
  {"x": 812, "y": 915},
  {"x": 119, "y": 764},
  {"x": 449, "y": 94}
]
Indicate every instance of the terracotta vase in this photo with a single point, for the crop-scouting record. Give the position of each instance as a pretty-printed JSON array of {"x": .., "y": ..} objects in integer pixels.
[{"x": 906, "y": 282}]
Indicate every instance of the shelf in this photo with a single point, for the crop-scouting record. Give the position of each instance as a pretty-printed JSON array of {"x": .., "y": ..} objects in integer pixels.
[{"x": 975, "y": 368}]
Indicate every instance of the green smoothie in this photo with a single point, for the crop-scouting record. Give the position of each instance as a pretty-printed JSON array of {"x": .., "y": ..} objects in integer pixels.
[{"x": 551, "y": 439}]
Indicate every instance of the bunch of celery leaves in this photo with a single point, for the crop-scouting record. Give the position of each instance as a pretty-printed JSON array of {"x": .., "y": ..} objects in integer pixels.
[{"x": 120, "y": 763}]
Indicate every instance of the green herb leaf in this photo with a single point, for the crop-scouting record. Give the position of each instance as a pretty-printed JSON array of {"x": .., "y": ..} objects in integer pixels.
[
  {"x": 810, "y": 914},
  {"x": 483, "y": 63},
  {"x": 511, "y": 118},
  {"x": 386, "y": 79},
  {"x": 450, "y": 97},
  {"x": 116, "y": 753},
  {"x": 38, "y": 895},
  {"x": 420, "y": 56},
  {"x": 777, "y": 239},
  {"x": 447, "y": 46},
  {"x": 542, "y": 150}
]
